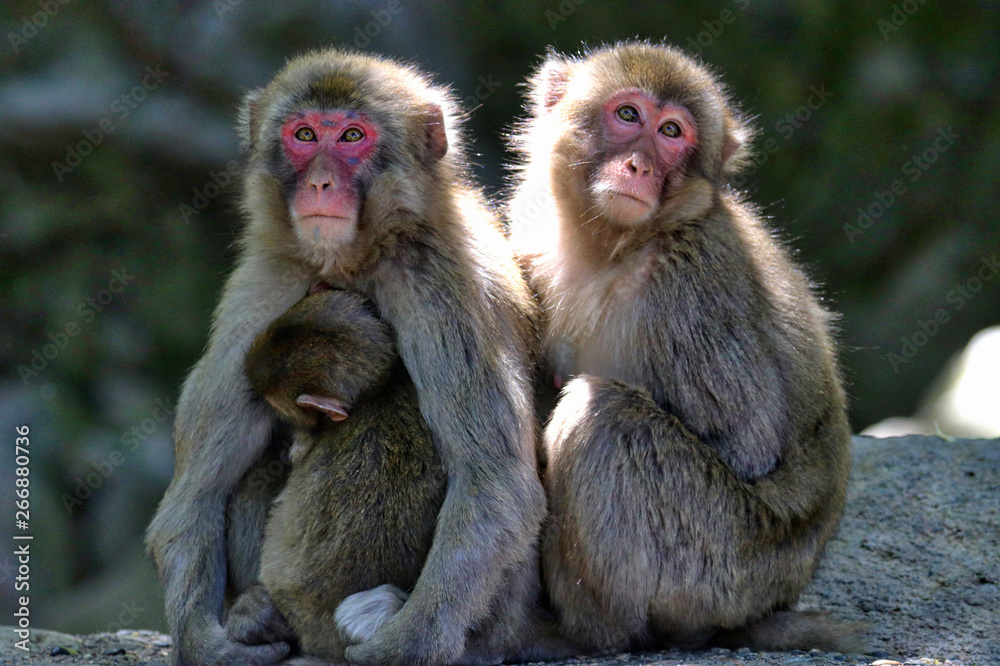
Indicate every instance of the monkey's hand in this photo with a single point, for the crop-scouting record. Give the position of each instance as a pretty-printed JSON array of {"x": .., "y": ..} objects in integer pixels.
[
  {"x": 210, "y": 644},
  {"x": 360, "y": 615},
  {"x": 393, "y": 636},
  {"x": 335, "y": 409},
  {"x": 255, "y": 620}
]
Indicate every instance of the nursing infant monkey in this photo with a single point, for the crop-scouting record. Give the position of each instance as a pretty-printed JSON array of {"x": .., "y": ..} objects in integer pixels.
[
  {"x": 359, "y": 507},
  {"x": 696, "y": 461},
  {"x": 354, "y": 175}
]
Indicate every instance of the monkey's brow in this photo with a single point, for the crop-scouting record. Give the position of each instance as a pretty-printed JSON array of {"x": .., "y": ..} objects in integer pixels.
[{"x": 328, "y": 123}]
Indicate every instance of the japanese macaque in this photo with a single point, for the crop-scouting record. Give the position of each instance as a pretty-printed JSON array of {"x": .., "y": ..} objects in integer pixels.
[
  {"x": 354, "y": 175},
  {"x": 359, "y": 507},
  {"x": 698, "y": 456}
]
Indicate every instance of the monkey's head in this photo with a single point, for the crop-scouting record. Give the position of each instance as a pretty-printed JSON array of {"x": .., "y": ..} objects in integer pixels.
[
  {"x": 337, "y": 143},
  {"x": 631, "y": 129},
  {"x": 314, "y": 362}
]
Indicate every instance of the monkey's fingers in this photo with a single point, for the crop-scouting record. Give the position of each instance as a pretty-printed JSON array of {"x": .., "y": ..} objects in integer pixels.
[
  {"x": 318, "y": 287},
  {"x": 332, "y": 407}
]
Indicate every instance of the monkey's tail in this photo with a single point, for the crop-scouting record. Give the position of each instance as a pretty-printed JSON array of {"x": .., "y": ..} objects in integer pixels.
[{"x": 796, "y": 630}]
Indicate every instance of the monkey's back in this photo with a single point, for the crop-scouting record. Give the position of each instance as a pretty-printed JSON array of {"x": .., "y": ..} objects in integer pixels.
[{"x": 358, "y": 511}]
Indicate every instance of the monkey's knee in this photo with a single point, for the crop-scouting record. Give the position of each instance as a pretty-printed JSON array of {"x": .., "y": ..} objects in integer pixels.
[{"x": 596, "y": 415}]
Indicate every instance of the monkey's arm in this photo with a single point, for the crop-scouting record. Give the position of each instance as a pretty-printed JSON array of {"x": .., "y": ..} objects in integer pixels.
[
  {"x": 219, "y": 433},
  {"x": 474, "y": 392},
  {"x": 726, "y": 355}
]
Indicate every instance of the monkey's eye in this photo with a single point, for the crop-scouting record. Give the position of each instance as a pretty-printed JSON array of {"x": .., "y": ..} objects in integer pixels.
[
  {"x": 671, "y": 129},
  {"x": 352, "y": 135},
  {"x": 305, "y": 134},
  {"x": 628, "y": 113}
]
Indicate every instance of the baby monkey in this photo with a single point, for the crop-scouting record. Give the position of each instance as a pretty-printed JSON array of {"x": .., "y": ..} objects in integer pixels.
[{"x": 366, "y": 486}]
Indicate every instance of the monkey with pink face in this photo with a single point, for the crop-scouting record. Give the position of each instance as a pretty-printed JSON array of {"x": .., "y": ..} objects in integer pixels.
[
  {"x": 697, "y": 459},
  {"x": 354, "y": 175}
]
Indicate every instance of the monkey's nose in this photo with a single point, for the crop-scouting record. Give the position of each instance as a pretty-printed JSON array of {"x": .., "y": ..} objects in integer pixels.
[
  {"x": 321, "y": 182},
  {"x": 639, "y": 165}
]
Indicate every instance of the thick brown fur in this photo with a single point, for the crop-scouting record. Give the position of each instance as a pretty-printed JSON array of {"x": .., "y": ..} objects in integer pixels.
[
  {"x": 360, "y": 505},
  {"x": 430, "y": 256},
  {"x": 698, "y": 462}
]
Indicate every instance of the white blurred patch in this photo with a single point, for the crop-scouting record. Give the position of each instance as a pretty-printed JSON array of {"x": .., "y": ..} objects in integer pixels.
[{"x": 967, "y": 400}]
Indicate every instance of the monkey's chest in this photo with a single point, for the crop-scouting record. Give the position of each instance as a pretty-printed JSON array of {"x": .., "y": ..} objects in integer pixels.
[{"x": 602, "y": 325}]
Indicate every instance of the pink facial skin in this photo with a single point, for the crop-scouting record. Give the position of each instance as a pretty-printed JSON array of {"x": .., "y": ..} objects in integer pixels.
[
  {"x": 326, "y": 195},
  {"x": 640, "y": 156}
]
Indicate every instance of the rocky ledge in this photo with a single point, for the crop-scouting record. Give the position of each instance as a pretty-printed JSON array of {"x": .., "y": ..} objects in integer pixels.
[{"x": 917, "y": 558}]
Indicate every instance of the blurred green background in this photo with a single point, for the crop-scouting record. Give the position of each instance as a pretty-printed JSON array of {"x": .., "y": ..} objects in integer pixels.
[{"x": 117, "y": 217}]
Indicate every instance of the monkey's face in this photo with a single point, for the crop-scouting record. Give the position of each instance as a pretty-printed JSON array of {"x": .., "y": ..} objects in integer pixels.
[
  {"x": 646, "y": 146},
  {"x": 328, "y": 151}
]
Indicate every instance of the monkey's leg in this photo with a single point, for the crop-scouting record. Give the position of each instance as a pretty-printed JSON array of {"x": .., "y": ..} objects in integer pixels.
[
  {"x": 219, "y": 434},
  {"x": 253, "y": 619},
  {"x": 517, "y": 629},
  {"x": 247, "y": 512},
  {"x": 598, "y": 545},
  {"x": 651, "y": 536}
]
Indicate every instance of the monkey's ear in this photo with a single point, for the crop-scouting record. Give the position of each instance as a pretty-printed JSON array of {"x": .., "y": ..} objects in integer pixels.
[
  {"x": 249, "y": 116},
  {"x": 332, "y": 407},
  {"x": 550, "y": 82},
  {"x": 437, "y": 138},
  {"x": 736, "y": 139}
]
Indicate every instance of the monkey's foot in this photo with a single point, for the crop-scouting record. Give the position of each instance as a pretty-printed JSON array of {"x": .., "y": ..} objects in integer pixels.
[
  {"x": 212, "y": 645},
  {"x": 255, "y": 620},
  {"x": 360, "y": 615},
  {"x": 408, "y": 638}
]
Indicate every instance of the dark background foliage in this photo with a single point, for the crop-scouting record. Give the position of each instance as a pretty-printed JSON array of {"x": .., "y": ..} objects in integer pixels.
[{"x": 117, "y": 216}]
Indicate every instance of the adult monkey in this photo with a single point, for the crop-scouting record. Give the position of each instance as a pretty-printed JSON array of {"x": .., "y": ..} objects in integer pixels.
[
  {"x": 357, "y": 514},
  {"x": 353, "y": 176},
  {"x": 698, "y": 462}
]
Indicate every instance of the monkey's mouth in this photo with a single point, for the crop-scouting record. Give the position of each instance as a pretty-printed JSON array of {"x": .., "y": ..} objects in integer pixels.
[
  {"x": 618, "y": 193},
  {"x": 323, "y": 219},
  {"x": 626, "y": 207},
  {"x": 325, "y": 229}
]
